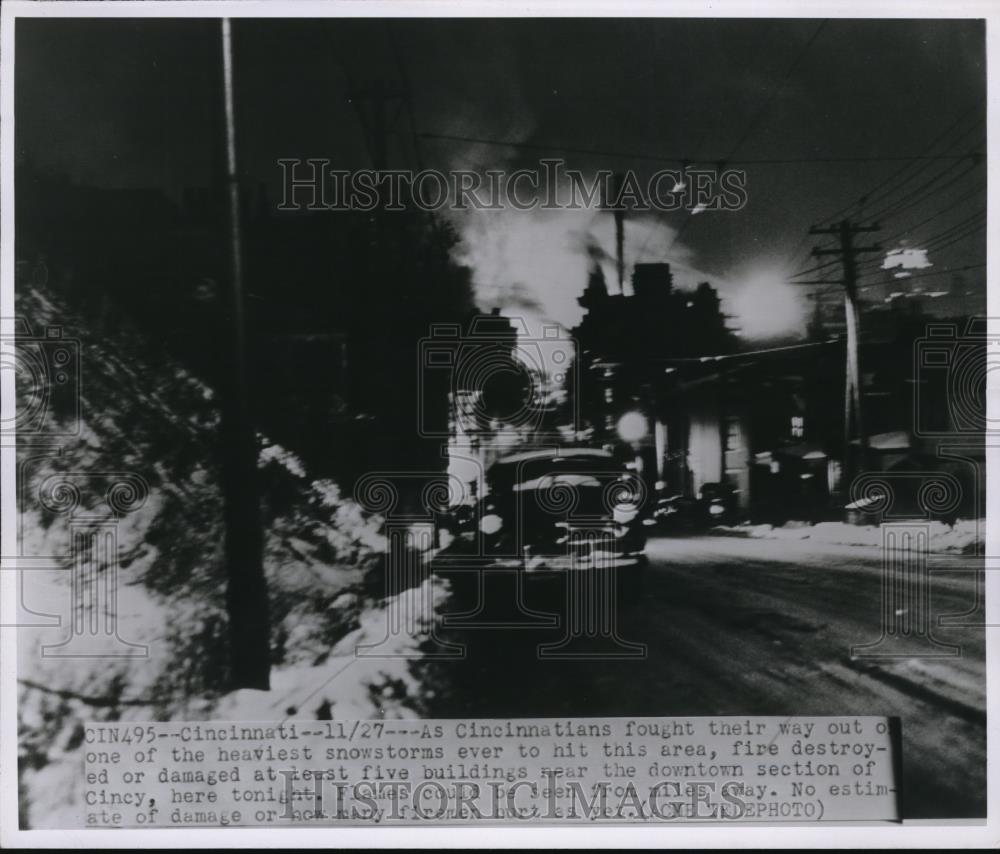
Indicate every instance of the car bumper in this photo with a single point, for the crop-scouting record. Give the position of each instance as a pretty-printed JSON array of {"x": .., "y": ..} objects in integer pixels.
[{"x": 535, "y": 566}]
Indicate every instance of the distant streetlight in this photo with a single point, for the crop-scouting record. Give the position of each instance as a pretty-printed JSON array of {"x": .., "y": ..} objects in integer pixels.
[{"x": 632, "y": 426}]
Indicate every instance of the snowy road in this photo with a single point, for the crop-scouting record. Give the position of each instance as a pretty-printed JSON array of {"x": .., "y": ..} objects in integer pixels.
[{"x": 742, "y": 626}]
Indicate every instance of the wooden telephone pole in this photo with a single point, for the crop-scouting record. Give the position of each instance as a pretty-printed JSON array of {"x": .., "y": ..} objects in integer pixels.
[
  {"x": 246, "y": 590},
  {"x": 848, "y": 252}
]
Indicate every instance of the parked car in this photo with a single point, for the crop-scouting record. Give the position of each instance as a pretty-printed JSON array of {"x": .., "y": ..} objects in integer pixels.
[
  {"x": 715, "y": 505},
  {"x": 571, "y": 509}
]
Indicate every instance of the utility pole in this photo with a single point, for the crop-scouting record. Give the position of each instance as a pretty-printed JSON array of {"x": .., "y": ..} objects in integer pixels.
[
  {"x": 246, "y": 590},
  {"x": 376, "y": 96},
  {"x": 373, "y": 101},
  {"x": 848, "y": 253}
]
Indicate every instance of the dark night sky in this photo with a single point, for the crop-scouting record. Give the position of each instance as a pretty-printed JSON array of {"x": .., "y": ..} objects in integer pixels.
[{"x": 136, "y": 103}]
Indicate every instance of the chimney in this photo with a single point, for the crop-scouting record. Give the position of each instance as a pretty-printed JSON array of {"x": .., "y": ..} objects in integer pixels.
[
  {"x": 606, "y": 204},
  {"x": 619, "y": 234}
]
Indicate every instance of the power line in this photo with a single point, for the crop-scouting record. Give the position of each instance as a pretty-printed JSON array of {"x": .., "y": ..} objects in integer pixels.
[
  {"x": 903, "y": 279},
  {"x": 825, "y": 265},
  {"x": 927, "y": 148},
  {"x": 965, "y": 228},
  {"x": 755, "y": 121},
  {"x": 815, "y": 269},
  {"x": 962, "y": 199},
  {"x": 931, "y": 241},
  {"x": 752, "y": 126},
  {"x": 407, "y": 91},
  {"x": 871, "y": 198},
  {"x": 679, "y": 360},
  {"x": 951, "y": 271},
  {"x": 661, "y": 215},
  {"x": 929, "y": 244},
  {"x": 972, "y": 232},
  {"x": 916, "y": 195},
  {"x": 867, "y": 197},
  {"x": 675, "y": 159}
]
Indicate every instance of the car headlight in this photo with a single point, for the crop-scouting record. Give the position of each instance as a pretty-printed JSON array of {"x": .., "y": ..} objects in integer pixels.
[
  {"x": 490, "y": 523},
  {"x": 624, "y": 515},
  {"x": 716, "y": 509}
]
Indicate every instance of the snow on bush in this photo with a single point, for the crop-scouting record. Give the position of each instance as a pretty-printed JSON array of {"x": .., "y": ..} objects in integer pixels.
[
  {"x": 366, "y": 674},
  {"x": 168, "y": 658}
]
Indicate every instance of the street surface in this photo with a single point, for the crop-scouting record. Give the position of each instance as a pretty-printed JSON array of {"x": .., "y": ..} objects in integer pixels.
[{"x": 736, "y": 626}]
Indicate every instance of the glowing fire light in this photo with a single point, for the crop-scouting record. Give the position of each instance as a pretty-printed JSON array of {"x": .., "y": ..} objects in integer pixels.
[{"x": 767, "y": 305}]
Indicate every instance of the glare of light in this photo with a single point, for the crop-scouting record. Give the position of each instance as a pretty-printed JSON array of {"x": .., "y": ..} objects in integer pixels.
[
  {"x": 632, "y": 426},
  {"x": 681, "y": 185},
  {"x": 490, "y": 524},
  {"x": 766, "y": 306},
  {"x": 906, "y": 259}
]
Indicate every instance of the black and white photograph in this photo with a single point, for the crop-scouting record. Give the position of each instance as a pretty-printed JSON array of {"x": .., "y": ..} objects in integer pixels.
[{"x": 456, "y": 420}]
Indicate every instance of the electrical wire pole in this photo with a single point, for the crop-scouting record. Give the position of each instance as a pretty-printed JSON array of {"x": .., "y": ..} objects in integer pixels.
[
  {"x": 848, "y": 252},
  {"x": 246, "y": 590},
  {"x": 373, "y": 101}
]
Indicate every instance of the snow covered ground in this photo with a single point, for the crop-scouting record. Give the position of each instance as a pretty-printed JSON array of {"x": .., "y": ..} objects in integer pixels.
[
  {"x": 964, "y": 537},
  {"x": 164, "y": 656}
]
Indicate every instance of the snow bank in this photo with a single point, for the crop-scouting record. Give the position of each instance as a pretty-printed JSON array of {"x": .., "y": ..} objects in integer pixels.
[
  {"x": 966, "y": 535},
  {"x": 149, "y": 418},
  {"x": 365, "y": 675}
]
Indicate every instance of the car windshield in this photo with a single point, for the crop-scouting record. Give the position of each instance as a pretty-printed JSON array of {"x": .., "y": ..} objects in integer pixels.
[
  {"x": 531, "y": 473},
  {"x": 550, "y": 480}
]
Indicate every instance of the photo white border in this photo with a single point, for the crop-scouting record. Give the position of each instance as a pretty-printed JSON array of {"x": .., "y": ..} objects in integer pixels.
[{"x": 934, "y": 834}]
